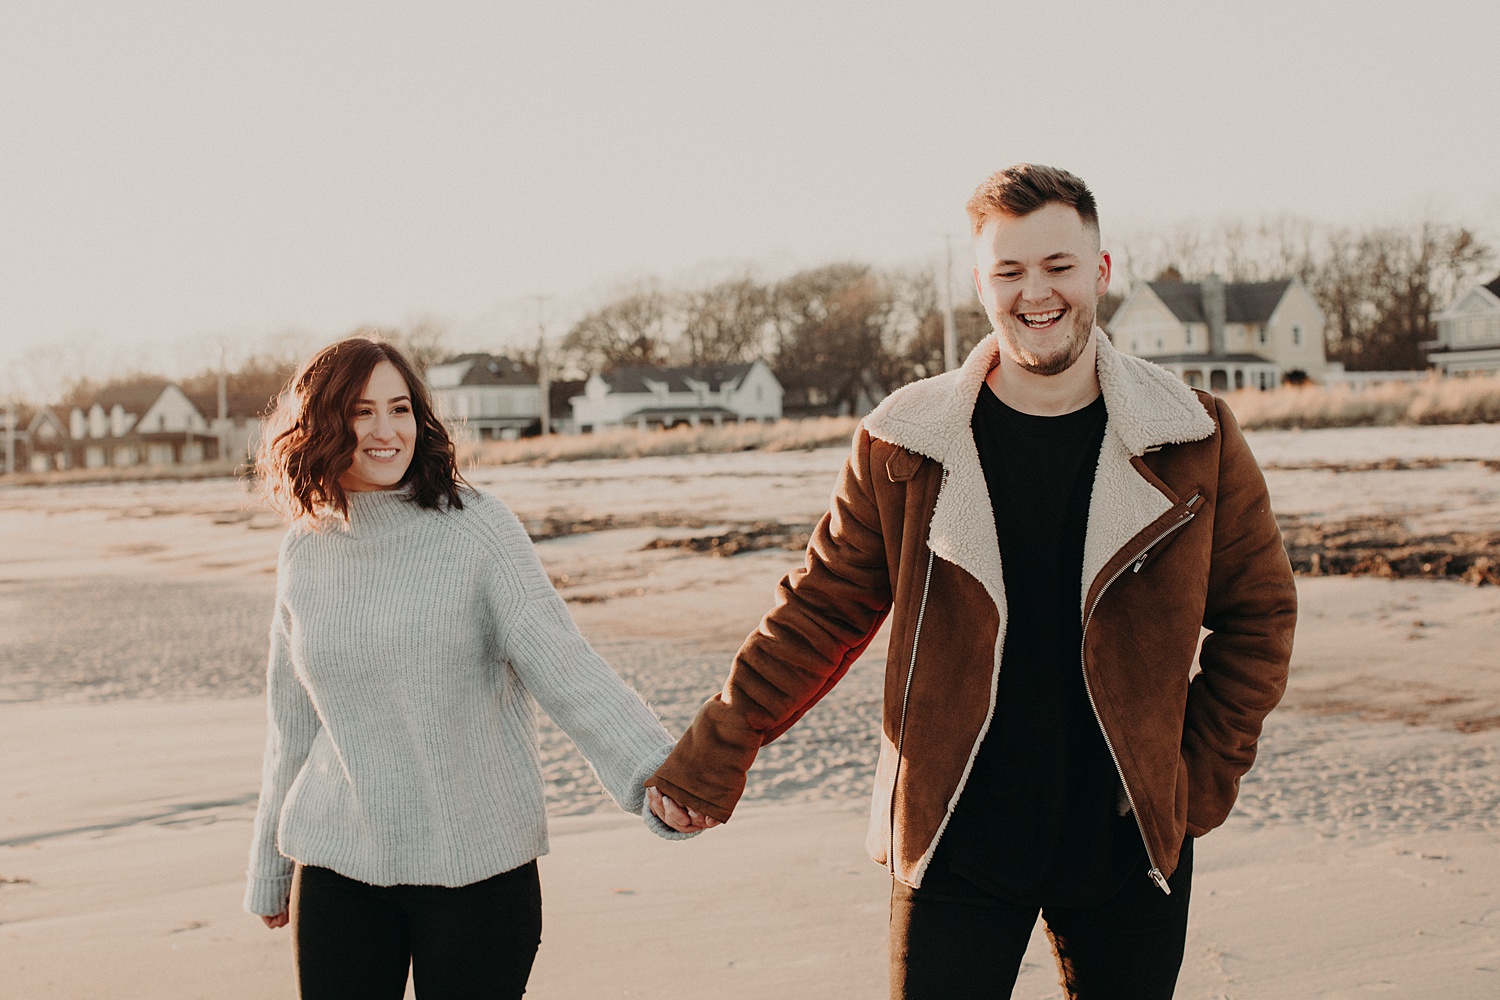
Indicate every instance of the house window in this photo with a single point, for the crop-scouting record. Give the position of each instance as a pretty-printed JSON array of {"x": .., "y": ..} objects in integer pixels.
[
  {"x": 1296, "y": 334},
  {"x": 1158, "y": 343},
  {"x": 1260, "y": 335},
  {"x": 1188, "y": 336}
]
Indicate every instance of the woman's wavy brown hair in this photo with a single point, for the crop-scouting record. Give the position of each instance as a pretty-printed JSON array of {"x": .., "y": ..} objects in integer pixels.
[{"x": 308, "y": 441}]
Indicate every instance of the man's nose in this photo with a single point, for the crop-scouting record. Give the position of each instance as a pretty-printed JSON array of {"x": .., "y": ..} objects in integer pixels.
[{"x": 1036, "y": 287}]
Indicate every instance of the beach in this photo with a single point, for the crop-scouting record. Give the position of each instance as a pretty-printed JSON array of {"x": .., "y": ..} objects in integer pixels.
[{"x": 1362, "y": 857}]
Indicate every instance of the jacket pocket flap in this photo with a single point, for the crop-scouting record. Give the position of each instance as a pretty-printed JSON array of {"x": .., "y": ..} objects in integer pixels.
[{"x": 902, "y": 465}]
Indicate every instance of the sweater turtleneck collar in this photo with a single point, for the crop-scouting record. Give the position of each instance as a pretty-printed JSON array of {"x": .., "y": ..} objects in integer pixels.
[{"x": 376, "y": 512}]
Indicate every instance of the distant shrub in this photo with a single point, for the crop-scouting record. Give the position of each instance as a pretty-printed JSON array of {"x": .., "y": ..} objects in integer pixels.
[
  {"x": 784, "y": 435},
  {"x": 1432, "y": 401}
]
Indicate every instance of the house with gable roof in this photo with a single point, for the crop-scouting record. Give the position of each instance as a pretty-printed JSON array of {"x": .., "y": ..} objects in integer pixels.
[
  {"x": 142, "y": 421},
  {"x": 32, "y": 440},
  {"x": 483, "y": 396},
  {"x": 1468, "y": 333},
  {"x": 665, "y": 397},
  {"x": 1220, "y": 336}
]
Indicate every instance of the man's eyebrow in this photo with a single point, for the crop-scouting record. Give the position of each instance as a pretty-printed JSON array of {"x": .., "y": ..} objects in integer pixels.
[{"x": 1060, "y": 255}]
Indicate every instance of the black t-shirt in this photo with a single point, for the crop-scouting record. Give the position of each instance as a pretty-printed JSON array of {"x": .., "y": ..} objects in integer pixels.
[{"x": 1037, "y": 821}]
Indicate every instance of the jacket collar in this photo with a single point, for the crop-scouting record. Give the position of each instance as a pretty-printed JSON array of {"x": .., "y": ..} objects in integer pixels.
[{"x": 1147, "y": 408}]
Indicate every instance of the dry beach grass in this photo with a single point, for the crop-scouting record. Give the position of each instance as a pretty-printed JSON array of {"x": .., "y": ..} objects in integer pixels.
[{"x": 1361, "y": 857}]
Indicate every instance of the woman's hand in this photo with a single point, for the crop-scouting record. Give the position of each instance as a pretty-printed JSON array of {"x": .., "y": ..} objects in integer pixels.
[
  {"x": 280, "y": 920},
  {"x": 680, "y": 819}
]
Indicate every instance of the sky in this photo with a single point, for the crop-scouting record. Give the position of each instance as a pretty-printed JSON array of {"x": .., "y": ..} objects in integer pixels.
[{"x": 185, "y": 181}]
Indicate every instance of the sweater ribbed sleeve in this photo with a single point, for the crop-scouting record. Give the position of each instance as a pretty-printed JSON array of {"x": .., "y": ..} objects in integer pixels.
[{"x": 401, "y": 747}]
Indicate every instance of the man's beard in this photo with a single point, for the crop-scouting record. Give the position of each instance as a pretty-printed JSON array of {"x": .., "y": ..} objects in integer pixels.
[{"x": 1064, "y": 357}]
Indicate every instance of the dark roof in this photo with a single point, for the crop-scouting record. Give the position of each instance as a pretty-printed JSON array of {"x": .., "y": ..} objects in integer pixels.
[
  {"x": 1494, "y": 287},
  {"x": 1205, "y": 358},
  {"x": 241, "y": 404},
  {"x": 678, "y": 411},
  {"x": 134, "y": 396},
  {"x": 487, "y": 369},
  {"x": 634, "y": 379},
  {"x": 1251, "y": 302}
]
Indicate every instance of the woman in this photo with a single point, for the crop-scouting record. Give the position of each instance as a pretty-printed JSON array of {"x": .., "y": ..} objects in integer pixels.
[{"x": 401, "y": 810}]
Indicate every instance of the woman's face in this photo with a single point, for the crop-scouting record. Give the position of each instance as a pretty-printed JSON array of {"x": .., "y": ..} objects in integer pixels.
[{"x": 385, "y": 431}]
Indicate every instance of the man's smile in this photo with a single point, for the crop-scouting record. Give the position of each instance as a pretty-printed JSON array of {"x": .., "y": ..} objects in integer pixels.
[{"x": 1041, "y": 320}]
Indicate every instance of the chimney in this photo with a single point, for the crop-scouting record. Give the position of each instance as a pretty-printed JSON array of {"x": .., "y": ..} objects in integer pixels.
[{"x": 1213, "y": 311}]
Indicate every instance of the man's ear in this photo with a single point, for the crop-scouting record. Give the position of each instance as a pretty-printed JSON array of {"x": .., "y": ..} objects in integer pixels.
[
  {"x": 1102, "y": 285},
  {"x": 978, "y": 289}
]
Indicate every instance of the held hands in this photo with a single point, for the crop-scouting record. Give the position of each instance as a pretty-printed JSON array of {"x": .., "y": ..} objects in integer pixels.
[{"x": 680, "y": 819}]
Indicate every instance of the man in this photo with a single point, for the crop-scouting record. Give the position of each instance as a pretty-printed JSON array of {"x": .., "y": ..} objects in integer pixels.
[{"x": 1048, "y": 526}]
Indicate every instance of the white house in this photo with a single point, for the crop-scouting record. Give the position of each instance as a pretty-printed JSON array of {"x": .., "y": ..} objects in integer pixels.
[
  {"x": 149, "y": 421},
  {"x": 665, "y": 397},
  {"x": 1468, "y": 333},
  {"x": 1225, "y": 336},
  {"x": 480, "y": 396}
]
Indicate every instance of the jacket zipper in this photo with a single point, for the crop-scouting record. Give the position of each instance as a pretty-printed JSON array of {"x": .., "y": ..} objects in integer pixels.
[
  {"x": 1135, "y": 565},
  {"x": 911, "y": 668}
]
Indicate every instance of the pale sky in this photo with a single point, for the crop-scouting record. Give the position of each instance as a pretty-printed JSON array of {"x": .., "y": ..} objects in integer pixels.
[{"x": 179, "y": 175}]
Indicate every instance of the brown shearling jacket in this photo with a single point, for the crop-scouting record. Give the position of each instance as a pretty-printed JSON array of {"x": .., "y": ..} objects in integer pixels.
[{"x": 1180, "y": 539}]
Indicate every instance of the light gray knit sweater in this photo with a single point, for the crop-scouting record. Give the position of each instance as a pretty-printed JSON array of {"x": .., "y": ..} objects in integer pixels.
[{"x": 401, "y": 747}]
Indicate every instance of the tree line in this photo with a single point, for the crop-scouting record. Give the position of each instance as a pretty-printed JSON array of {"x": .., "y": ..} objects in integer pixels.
[
  {"x": 826, "y": 330},
  {"x": 830, "y": 333},
  {"x": 1378, "y": 285},
  {"x": 839, "y": 332}
]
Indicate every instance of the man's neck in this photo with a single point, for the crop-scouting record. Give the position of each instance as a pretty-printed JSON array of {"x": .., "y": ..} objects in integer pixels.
[{"x": 1047, "y": 395}]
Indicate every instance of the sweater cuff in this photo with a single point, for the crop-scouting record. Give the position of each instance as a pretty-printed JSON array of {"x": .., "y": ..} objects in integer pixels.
[
  {"x": 661, "y": 829},
  {"x": 636, "y": 790},
  {"x": 266, "y": 897}
]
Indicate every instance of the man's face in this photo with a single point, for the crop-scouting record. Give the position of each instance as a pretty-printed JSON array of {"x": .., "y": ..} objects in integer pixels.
[{"x": 1040, "y": 277}]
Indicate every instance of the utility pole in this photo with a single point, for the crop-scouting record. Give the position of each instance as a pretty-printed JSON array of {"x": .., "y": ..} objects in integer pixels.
[
  {"x": 221, "y": 425},
  {"x": 544, "y": 377},
  {"x": 10, "y": 439},
  {"x": 950, "y": 329}
]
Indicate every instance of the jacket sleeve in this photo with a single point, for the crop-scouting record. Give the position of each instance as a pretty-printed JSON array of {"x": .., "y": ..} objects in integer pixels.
[
  {"x": 1251, "y": 611},
  {"x": 617, "y": 733},
  {"x": 826, "y": 613},
  {"x": 292, "y": 723}
]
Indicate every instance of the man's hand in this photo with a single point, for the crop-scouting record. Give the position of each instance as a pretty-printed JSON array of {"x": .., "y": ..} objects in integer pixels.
[
  {"x": 680, "y": 819},
  {"x": 280, "y": 920}
]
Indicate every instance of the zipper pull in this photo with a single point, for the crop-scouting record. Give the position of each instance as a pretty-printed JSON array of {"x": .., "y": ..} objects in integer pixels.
[
  {"x": 1140, "y": 562},
  {"x": 1161, "y": 882}
]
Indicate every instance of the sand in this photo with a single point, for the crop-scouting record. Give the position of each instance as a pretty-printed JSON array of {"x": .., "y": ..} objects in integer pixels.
[{"x": 1361, "y": 859}]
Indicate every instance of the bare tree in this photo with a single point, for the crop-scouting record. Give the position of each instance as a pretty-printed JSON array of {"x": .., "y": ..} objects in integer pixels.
[
  {"x": 917, "y": 308},
  {"x": 830, "y": 336},
  {"x": 728, "y": 322},
  {"x": 633, "y": 329},
  {"x": 1381, "y": 287}
]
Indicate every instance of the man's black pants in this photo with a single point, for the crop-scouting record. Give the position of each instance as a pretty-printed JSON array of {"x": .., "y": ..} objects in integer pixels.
[
  {"x": 952, "y": 940},
  {"x": 357, "y": 940}
]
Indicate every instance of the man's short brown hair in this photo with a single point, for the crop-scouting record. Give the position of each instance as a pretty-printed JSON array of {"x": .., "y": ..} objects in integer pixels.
[{"x": 1022, "y": 189}]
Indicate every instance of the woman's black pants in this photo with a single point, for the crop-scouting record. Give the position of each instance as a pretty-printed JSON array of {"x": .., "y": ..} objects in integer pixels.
[
  {"x": 950, "y": 939},
  {"x": 354, "y": 940}
]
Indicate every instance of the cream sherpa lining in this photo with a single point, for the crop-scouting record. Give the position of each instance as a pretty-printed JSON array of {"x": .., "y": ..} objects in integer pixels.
[{"x": 1146, "y": 407}]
